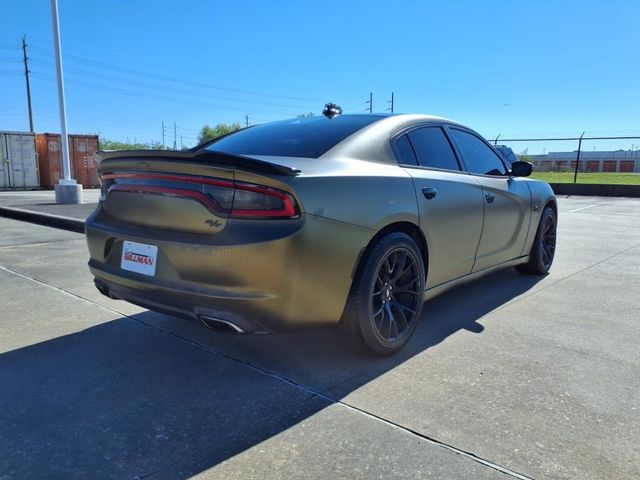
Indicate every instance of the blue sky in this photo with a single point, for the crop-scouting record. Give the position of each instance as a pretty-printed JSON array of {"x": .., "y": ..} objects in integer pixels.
[{"x": 509, "y": 67}]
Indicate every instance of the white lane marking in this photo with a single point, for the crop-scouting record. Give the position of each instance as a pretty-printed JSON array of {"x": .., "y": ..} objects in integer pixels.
[{"x": 584, "y": 208}]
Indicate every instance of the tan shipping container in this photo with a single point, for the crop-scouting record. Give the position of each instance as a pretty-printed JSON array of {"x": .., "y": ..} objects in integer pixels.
[
  {"x": 18, "y": 160},
  {"x": 82, "y": 149}
]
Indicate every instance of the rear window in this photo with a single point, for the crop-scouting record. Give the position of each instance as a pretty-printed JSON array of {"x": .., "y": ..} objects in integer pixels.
[{"x": 300, "y": 137}]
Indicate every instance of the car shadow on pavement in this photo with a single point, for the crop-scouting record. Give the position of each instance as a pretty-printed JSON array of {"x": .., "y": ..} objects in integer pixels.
[{"x": 151, "y": 395}]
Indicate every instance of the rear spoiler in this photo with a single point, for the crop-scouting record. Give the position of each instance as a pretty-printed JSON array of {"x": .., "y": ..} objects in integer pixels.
[{"x": 212, "y": 158}]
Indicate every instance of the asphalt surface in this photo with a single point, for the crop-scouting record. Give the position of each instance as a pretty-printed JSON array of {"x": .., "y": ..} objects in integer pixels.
[{"x": 507, "y": 377}]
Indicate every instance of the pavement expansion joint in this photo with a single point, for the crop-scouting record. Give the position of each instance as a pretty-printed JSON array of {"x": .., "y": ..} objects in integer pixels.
[
  {"x": 287, "y": 381},
  {"x": 29, "y": 244},
  {"x": 64, "y": 292}
]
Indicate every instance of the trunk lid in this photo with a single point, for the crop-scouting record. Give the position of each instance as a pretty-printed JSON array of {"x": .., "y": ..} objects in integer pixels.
[{"x": 194, "y": 192}]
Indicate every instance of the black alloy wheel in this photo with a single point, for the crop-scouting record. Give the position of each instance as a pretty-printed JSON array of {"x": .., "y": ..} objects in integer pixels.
[
  {"x": 396, "y": 295},
  {"x": 385, "y": 303},
  {"x": 544, "y": 245},
  {"x": 548, "y": 239}
]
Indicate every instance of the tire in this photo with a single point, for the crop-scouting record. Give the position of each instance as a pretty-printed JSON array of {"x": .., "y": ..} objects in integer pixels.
[
  {"x": 544, "y": 245},
  {"x": 375, "y": 316}
]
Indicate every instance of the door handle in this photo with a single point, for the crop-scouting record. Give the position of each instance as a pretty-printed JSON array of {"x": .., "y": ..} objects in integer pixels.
[
  {"x": 490, "y": 197},
  {"x": 429, "y": 192}
]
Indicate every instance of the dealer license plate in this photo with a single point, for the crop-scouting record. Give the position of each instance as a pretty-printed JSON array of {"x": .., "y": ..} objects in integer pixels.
[{"x": 139, "y": 258}]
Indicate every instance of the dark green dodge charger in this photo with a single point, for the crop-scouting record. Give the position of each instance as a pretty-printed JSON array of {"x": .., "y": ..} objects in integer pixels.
[{"x": 353, "y": 220}]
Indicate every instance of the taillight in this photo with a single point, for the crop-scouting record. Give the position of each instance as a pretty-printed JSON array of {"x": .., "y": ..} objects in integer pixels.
[
  {"x": 259, "y": 201},
  {"x": 242, "y": 200}
]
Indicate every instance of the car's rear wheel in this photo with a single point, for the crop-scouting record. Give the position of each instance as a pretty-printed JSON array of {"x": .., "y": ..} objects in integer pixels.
[
  {"x": 544, "y": 245},
  {"x": 386, "y": 298}
]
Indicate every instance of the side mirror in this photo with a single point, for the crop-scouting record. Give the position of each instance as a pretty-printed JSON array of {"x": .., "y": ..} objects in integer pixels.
[{"x": 521, "y": 169}]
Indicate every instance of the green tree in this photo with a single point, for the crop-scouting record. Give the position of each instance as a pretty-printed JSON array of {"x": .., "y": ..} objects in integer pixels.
[
  {"x": 107, "y": 144},
  {"x": 209, "y": 133}
]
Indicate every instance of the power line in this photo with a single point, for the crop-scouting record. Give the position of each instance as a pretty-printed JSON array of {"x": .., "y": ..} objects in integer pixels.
[
  {"x": 78, "y": 59},
  {"x": 582, "y": 137},
  {"x": 49, "y": 116},
  {"x": 142, "y": 95},
  {"x": 164, "y": 88}
]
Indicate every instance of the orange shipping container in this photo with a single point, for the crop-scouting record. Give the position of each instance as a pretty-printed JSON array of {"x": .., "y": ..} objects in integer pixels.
[{"x": 82, "y": 149}]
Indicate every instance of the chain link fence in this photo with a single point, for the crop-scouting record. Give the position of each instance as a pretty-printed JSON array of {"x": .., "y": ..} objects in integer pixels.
[{"x": 584, "y": 159}]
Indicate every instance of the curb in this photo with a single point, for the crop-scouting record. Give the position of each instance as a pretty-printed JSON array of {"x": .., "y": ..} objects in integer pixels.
[
  {"x": 47, "y": 219},
  {"x": 596, "y": 190}
]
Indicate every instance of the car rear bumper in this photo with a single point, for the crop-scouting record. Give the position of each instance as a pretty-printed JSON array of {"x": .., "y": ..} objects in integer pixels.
[
  {"x": 260, "y": 276},
  {"x": 240, "y": 314}
]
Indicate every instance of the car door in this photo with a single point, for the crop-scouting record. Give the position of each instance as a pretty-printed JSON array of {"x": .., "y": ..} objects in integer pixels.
[
  {"x": 450, "y": 201},
  {"x": 507, "y": 200}
]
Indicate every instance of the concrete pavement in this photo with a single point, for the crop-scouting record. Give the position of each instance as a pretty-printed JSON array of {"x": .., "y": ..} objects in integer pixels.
[
  {"x": 510, "y": 376},
  {"x": 39, "y": 207}
]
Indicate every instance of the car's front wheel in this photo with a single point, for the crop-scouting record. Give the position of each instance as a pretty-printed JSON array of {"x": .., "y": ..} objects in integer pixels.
[
  {"x": 386, "y": 298},
  {"x": 544, "y": 245}
]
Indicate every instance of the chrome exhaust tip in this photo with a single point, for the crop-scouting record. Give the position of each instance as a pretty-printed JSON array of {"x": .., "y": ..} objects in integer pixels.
[{"x": 220, "y": 325}]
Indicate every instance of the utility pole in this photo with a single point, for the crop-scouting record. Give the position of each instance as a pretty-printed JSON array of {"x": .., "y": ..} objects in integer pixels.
[
  {"x": 391, "y": 102},
  {"x": 181, "y": 144},
  {"x": 26, "y": 76},
  {"x": 67, "y": 189},
  {"x": 163, "y": 134},
  {"x": 370, "y": 102},
  {"x": 175, "y": 136},
  {"x": 246, "y": 120}
]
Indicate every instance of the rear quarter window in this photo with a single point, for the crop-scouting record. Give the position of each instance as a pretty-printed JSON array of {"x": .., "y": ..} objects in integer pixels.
[{"x": 404, "y": 151}]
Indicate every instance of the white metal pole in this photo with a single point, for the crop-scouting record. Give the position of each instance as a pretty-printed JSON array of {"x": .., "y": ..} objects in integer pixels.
[
  {"x": 67, "y": 191},
  {"x": 66, "y": 165}
]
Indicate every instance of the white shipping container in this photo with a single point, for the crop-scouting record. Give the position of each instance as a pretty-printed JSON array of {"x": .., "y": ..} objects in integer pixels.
[{"x": 19, "y": 161}]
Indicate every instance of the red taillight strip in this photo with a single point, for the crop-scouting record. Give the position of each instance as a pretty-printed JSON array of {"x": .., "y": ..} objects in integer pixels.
[
  {"x": 288, "y": 210},
  {"x": 205, "y": 200}
]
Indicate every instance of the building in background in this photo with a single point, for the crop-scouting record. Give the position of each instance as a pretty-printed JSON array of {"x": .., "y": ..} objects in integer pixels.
[{"x": 622, "y": 161}]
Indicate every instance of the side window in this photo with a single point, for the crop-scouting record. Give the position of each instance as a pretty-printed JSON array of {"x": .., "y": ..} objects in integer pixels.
[
  {"x": 478, "y": 157},
  {"x": 433, "y": 148},
  {"x": 405, "y": 151}
]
